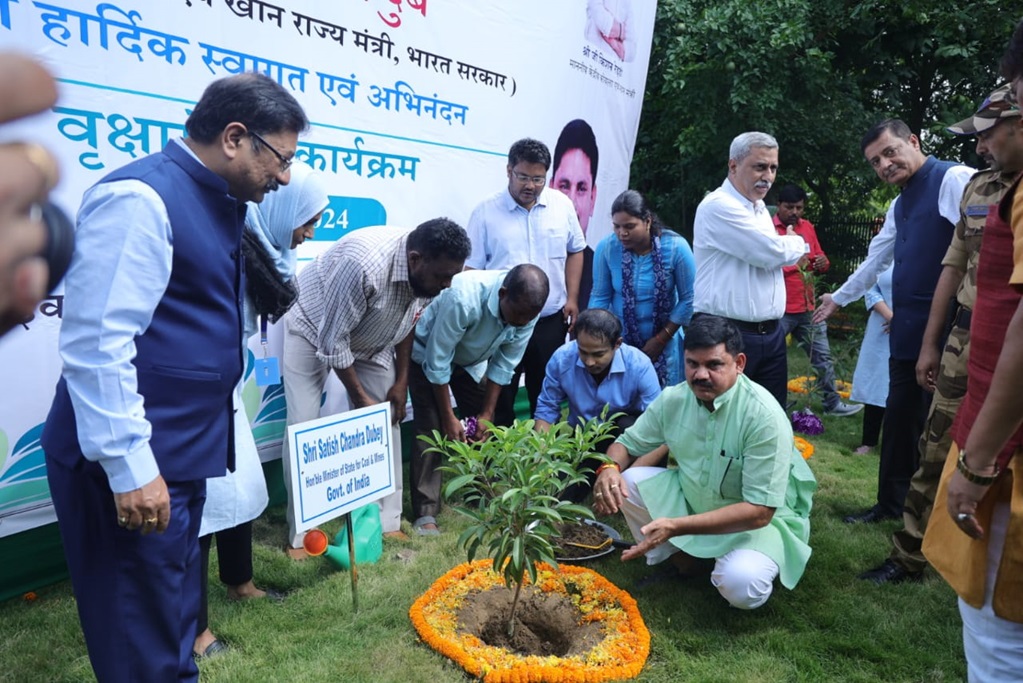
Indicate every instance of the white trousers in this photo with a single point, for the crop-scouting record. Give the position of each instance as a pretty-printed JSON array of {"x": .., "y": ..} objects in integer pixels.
[
  {"x": 745, "y": 578},
  {"x": 993, "y": 646},
  {"x": 305, "y": 376}
]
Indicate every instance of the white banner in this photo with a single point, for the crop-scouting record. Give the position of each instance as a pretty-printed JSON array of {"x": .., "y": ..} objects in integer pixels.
[{"x": 413, "y": 104}]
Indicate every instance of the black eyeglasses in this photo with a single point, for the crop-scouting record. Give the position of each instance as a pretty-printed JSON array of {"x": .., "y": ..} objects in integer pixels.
[{"x": 285, "y": 162}]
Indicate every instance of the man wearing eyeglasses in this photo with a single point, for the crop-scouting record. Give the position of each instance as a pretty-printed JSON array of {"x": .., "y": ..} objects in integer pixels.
[
  {"x": 531, "y": 223},
  {"x": 151, "y": 345}
]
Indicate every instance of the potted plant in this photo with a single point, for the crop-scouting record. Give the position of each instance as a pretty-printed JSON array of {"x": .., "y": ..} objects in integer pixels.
[{"x": 508, "y": 487}]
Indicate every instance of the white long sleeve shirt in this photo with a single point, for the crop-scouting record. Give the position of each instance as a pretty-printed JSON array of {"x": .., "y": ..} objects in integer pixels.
[{"x": 739, "y": 257}]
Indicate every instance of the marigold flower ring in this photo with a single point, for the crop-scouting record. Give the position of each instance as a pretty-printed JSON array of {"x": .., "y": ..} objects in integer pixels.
[{"x": 620, "y": 655}]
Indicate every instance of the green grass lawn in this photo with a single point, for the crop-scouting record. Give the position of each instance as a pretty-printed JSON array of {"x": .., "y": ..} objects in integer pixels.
[{"x": 832, "y": 627}]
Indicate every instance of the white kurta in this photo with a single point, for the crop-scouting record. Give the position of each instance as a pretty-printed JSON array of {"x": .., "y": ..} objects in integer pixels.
[
  {"x": 239, "y": 496},
  {"x": 870, "y": 380}
]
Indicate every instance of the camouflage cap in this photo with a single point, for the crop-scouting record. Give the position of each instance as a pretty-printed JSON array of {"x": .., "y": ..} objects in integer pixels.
[{"x": 999, "y": 105}]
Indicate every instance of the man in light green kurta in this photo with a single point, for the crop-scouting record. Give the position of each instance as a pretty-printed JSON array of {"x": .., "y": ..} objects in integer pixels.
[{"x": 739, "y": 493}]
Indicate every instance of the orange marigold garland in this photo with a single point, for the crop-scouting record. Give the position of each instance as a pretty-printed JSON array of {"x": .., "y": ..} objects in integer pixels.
[
  {"x": 620, "y": 655},
  {"x": 803, "y": 385},
  {"x": 805, "y": 447}
]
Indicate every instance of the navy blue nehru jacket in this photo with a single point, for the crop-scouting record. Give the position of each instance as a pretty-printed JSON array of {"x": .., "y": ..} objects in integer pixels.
[
  {"x": 190, "y": 358},
  {"x": 922, "y": 238}
]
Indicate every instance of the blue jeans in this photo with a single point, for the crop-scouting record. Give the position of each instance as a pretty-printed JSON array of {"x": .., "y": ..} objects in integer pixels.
[{"x": 813, "y": 339}]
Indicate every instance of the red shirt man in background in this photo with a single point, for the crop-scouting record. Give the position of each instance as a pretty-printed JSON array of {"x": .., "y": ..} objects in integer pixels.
[{"x": 800, "y": 299}]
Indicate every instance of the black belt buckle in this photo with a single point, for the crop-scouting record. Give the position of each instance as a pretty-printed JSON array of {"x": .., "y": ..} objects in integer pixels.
[{"x": 762, "y": 327}]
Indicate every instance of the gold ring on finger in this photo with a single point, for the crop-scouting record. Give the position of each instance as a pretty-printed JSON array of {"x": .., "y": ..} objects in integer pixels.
[
  {"x": 44, "y": 162},
  {"x": 151, "y": 520}
]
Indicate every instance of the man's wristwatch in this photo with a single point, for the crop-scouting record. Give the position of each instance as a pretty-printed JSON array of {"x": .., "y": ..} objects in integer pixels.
[{"x": 973, "y": 477}]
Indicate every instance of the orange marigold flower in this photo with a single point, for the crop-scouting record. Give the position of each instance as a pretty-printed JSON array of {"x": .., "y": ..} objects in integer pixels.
[
  {"x": 805, "y": 447},
  {"x": 621, "y": 654}
]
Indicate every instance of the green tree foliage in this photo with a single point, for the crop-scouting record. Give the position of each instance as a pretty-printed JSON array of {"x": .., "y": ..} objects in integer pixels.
[{"x": 816, "y": 74}]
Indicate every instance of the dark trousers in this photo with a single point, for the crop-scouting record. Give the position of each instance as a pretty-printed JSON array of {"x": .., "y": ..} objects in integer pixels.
[
  {"x": 548, "y": 336},
  {"x": 904, "y": 417},
  {"x": 234, "y": 553},
  {"x": 425, "y": 479},
  {"x": 767, "y": 362},
  {"x": 949, "y": 390},
  {"x": 873, "y": 417},
  {"x": 138, "y": 596}
]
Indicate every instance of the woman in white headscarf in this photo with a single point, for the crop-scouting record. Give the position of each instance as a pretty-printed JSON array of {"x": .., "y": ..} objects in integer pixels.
[
  {"x": 274, "y": 228},
  {"x": 272, "y": 223}
]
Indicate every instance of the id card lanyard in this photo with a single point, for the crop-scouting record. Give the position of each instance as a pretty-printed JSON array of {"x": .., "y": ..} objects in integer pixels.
[{"x": 267, "y": 368}]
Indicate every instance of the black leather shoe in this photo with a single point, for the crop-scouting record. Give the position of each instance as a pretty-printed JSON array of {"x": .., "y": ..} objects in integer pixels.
[
  {"x": 889, "y": 572},
  {"x": 869, "y": 516}
]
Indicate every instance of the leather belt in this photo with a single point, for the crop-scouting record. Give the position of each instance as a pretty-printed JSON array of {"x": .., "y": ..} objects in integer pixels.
[{"x": 762, "y": 327}]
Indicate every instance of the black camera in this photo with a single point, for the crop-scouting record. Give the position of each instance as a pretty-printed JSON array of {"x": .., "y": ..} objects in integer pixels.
[{"x": 60, "y": 242}]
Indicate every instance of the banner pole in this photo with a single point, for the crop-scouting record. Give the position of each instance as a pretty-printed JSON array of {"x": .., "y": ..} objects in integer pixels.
[{"x": 349, "y": 527}]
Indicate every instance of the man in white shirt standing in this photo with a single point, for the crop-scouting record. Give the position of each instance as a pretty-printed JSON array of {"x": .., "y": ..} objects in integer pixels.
[
  {"x": 531, "y": 223},
  {"x": 739, "y": 258},
  {"x": 916, "y": 233}
]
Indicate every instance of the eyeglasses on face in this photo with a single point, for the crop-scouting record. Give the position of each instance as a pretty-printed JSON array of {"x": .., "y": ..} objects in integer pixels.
[
  {"x": 534, "y": 179},
  {"x": 285, "y": 162}
]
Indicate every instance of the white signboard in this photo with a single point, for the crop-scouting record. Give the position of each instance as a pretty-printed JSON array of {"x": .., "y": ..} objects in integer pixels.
[{"x": 339, "y": 463}]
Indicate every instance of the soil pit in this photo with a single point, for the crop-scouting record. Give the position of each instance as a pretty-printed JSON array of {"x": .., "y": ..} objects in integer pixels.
[{"x": 545, "y": 624}]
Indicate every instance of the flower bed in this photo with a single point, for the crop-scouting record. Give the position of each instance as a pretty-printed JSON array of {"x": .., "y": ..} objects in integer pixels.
[
  {"x": 804, "y": 385},
  {"x": 620, "y": 655}
]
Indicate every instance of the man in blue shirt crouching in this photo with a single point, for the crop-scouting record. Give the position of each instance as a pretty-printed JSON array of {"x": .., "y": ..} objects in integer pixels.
[
  {"x": 596, "y": 371},
  {"x": 469, "y": 341}
]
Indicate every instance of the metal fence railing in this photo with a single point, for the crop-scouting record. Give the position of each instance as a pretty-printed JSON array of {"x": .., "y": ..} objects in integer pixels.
[{"x": 845, "y": 241}]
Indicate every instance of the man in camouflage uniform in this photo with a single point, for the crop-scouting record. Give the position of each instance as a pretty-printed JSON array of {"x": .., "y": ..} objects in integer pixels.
[{"x": 947, "y": 379}]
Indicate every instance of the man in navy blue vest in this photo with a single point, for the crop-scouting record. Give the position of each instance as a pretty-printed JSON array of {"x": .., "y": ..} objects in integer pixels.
[
  {"x": 916, "y": 233},
  {"x": 151, "y": 344}
]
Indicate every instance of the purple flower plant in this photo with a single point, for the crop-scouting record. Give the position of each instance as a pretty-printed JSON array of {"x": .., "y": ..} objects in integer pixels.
[
  {"x": 471, "y": 427},
  {"x": 805, "y": 422}
]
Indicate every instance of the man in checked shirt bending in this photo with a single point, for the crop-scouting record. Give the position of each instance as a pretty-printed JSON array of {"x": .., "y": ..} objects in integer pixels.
[{"x": 356, "y": 307}]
